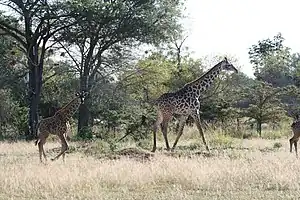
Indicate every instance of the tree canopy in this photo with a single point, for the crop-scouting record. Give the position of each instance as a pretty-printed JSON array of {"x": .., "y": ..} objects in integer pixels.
[{"x": 126, "y": 54}]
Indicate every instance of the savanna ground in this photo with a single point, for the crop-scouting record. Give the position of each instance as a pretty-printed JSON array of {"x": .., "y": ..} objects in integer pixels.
[{"x": 257, "y": 168}]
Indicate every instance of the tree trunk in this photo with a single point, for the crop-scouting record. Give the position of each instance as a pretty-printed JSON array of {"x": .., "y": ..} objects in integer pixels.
[
  {"x": 238, "y": 124},
  {"x": 83, "y": 119},
  {"x": 258, "y": 127},
  {"x": 33, "y": 92}
]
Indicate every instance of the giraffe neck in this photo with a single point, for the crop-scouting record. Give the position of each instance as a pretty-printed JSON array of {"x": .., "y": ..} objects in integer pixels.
[
  {"x": 68, "y": 110},
  {"x": 201, "y": 84}
]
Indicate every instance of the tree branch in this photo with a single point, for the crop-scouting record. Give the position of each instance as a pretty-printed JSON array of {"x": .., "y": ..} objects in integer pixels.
[
  {"x": 10, "y": 6},
  {"x": 33, "y": 4},
  {"x": 9, "y": 30},
  {"x": 61, "y": 28},
  {"x": 178, "y": 47},
  {"x": 68, "y": 52}
]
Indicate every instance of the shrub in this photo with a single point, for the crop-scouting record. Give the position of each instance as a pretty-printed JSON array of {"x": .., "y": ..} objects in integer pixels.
[
  {"x": 272, "y": 134},
  {"x": 277, "y": 145}
]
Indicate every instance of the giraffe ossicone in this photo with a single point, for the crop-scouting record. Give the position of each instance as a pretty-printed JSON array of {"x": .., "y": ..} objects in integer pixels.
[{"x": 186, "y": 102}]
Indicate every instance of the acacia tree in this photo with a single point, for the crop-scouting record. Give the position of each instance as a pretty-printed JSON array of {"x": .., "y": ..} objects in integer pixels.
[
  {"x": 275, "y": 64},
  {"x": 272, "y": 61},
  {"x": 101, "y": 42},
  {"x": 265, "y": 48},
  {"x": 32, "y": 24},
  {"x": 264, "y": 102}
]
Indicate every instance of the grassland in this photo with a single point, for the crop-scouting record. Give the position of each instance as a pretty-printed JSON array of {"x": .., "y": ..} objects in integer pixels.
[{"x": 235, "y": 169}]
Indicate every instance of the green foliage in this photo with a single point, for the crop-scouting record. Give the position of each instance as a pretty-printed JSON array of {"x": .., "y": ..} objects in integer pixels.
[
  {"x": 272, "y": 134},
  {"x": 13, "y": 117},
  {"x": 20, "y": 120},
  {"x": 145, "y": 144},
  {"x": 104, "y": 36},
  {"x": 189, "y": 70},
  {"x": 149, "y": 79},
  {"x": 224, "y": 101},
  {"x": 221, "y": 140},
  {"x": 265, "y": 105},
  {"x": 59, "y": 87},
  {"x": 98, "y": 51},
  {"x": 265, "y": 48},
  {"x": 277, "y": 145},
  {"x": 32, "y": 25},
  {"x": 277, "y": 69}
]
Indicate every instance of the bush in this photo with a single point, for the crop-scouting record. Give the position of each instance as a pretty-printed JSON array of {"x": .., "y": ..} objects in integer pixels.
[
  {"x": 277, "y": 145},
  {"x": 272, "y": 134}
]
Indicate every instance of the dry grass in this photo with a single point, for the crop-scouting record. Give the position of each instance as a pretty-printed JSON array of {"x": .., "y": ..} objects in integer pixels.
[{"x": 247, "y": 169}]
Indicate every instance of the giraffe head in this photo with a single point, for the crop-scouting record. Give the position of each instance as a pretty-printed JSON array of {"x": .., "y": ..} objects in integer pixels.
[
  {"x": 82, "y": 95},
  {"x": 225, "y": 65}
]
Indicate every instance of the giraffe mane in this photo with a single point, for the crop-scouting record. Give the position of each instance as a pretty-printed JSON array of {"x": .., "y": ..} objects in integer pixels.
[
  {"x": 203, "y": 75},
  {"x": 71, "y": 102}
]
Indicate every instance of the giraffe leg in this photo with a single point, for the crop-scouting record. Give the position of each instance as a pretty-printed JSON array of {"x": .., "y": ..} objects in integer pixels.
[
  {"x": 164, "y": 129},
  {"x": 199, "y": 127},
  {"x": 68, "y": 131},
  {"x": 291, "y": 144},
  {"x": 182, "y": 121},
  {"x": 44, "y": 154},
  {"x": 41, "y": 143},
  {"x": 63, "y": 155},
  {"x": 64, "y": 146},
  {"x": 155, "y": 127},
  {"x": 296, "y": 150}
]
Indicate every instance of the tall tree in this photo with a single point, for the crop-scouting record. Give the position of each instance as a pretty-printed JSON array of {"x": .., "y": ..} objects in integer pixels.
[
  {"x": 275, "y": 64},
  {"x": 107, "y": 31},
  {"x": 259, "y": 52},
  {"x": 264, "y": 102},
  {"x": 272, "y": 61},
  {"x": 32, "y": 24}
]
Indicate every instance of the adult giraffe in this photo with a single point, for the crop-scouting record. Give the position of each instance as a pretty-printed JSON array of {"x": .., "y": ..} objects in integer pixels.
[{"x": 186, "y": 102}]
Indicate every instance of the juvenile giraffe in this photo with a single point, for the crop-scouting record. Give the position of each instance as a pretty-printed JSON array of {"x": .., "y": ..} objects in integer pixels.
[
  {"x": 186, "y": 102},
  {"x": 294, "y": 140},
  {"x": 57, "y": 125}
]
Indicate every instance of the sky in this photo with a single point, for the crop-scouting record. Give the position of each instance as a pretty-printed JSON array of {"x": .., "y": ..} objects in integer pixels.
[{"x": 231, "y": 27}]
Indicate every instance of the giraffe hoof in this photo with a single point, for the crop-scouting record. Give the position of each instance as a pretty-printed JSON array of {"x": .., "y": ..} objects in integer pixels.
[
  {"x": 153, "y": 150},
  {"x": 52, "y": 159}
]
